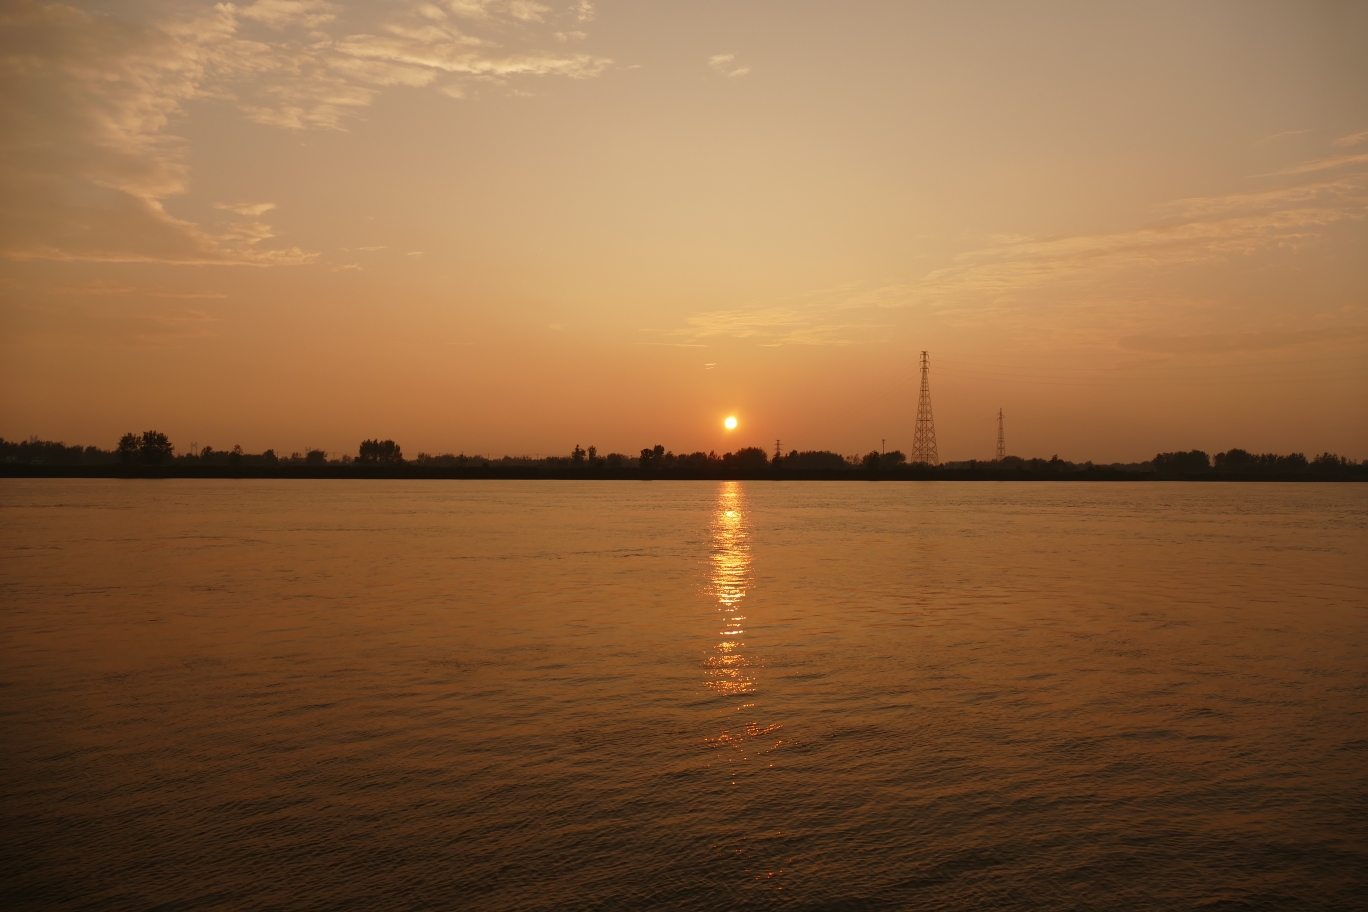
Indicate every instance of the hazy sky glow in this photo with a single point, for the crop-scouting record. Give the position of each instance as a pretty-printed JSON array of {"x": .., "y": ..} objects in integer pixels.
[{"x": 510, "y": 226}]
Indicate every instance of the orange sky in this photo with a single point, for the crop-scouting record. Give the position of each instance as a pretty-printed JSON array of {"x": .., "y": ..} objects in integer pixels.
[{"x": 506, "y": 226}]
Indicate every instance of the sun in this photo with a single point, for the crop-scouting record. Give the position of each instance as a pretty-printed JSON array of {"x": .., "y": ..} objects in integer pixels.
[{"x": 730, "y": 423}]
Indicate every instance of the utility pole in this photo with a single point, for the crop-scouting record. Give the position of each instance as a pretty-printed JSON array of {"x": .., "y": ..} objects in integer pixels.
[
  {"x": 1002, "y": 447},
  {"x": 924, "y": 440},
  {"x": 883, "y": 446}
]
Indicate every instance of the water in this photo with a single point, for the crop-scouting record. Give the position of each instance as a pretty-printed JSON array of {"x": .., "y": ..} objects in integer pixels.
[{"x": 698, "y": 695}]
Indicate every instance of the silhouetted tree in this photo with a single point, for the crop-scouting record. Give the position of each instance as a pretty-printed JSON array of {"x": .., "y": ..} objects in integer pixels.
[
  {"x": 379, "y": 451},
  {"x": 871, "y": 461},
  {"x": 892, "y": 459},
  {"x": 748, "y": 459},
  {"x": 128, "y": 447},
  {"x": 1292, "y": 461},
  {"x": 37, "y": 452},
  {"x": 1180, "y": 463},
  {"x": 1236, "y": 459},
  {"x": 1246, "y": 463},
  {"x": 315, "y": 458},
  {"x": 235, "y": 455},
  {"x": 577, "y": 454},
  {"x": 815, "y": 461},
  {"x": 150, "y": 448},
  {"x": 1329, "y": 462},
  {"x": 155, "y": 448}
]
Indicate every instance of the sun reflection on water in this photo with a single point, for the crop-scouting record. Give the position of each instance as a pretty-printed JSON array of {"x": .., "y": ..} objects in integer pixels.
[
  {"x": 746, "y": 742},
  {"x": 728, "y": 667}
]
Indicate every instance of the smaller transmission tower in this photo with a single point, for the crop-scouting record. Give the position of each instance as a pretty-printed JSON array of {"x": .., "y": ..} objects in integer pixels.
[
  {"x": 1002, "y": 446},
  {"x": 924, "y": 440},
  {"x": 778, "y": 453}
]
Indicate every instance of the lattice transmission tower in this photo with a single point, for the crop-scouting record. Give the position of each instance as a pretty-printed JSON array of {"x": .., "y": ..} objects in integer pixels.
[
  {"x": 924, "y": 440},
  {"x": 1002, "y": 446}
]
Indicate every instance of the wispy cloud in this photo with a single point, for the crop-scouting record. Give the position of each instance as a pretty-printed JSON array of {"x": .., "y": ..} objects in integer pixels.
[
  {"x": 724, "y": 64},
  {"x": 1352, "y": 139},
  {"x": 1284, "y": 133},
  {"x": 106, "y": 89},
  {"x": 1323, "y": 164},
  {"x": 102, "y": 287},
  {"x": 246, "y": 208},
  {"x": 1219, "y": 343},
  {"x": 282, "y": 13},
  {"x": 807, "y": 320},
  {"x": 419, "y": 53},
  {"x": 1200, "y": 230},
  {"x": 494, "y": 10},
  {"x": 1019, "y": 278}
]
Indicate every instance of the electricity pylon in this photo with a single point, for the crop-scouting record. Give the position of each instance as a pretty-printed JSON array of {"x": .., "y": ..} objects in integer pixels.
[
  {"x": 924, "y": 440},
  {"x": 1002, "y": 447}
]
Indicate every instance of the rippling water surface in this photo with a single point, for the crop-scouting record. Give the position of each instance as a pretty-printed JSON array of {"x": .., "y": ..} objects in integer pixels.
[{"x": 525, "y": 695}]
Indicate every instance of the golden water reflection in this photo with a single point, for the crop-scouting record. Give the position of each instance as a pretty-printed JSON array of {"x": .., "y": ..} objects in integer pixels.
[{"x": 728, "y": 667}]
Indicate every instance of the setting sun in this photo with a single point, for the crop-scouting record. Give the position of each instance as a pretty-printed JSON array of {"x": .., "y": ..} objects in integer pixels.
[{"x": 730, "y": 423}]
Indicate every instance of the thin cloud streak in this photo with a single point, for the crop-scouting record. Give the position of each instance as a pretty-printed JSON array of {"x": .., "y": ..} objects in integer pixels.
[
  {"x": 1003, "y": 280},
  {"x": 722, "y": 63},
  {"x": 1323, "y": 164},
  {"x": 1285, "y": 133},
  {"x": 1220, "y": 343}
]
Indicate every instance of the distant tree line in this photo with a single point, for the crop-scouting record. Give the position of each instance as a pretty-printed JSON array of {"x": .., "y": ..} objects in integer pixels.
[
  {"x": 152, "y": 449},
  {"x": 1244, "y": 464}
]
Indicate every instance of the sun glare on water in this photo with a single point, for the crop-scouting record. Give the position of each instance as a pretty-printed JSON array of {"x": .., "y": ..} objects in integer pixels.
[{"x": 730, "y": 423}]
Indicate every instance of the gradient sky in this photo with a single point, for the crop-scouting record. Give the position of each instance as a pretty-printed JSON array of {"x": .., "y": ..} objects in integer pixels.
[{"x": 507, "y": 226}]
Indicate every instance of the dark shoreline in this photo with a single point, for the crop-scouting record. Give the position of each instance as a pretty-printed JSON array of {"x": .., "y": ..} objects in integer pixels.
[{"x": 633, "y": 473}]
